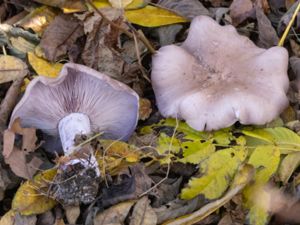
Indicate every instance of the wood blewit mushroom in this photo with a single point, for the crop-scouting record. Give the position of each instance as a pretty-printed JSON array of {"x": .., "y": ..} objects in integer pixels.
[
  {"x": 217, "y": 77},
  {"x": 79, "y": 101}
]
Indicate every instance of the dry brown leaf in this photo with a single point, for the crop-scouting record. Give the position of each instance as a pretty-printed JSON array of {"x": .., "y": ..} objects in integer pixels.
[
  {"x": 60, "y": 35},
  {"x": 72, "y": 213},
  {"x": 143, "y": 213},
  {"x": 11, "y": 68},
  {"x": 14, "y": 218},
  {"x": 240, "y": 10},
  {"x": 145, "y": 109},
  {"x": 267, "y": 34},
  {"x": 8, "y": 144},
  {"x": 295, "y": 47}
]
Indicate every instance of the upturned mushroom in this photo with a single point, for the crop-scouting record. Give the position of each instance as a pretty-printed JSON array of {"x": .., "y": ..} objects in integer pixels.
[
  {"x": 217, "y": 77},
  {"x": 79, "y": 101}
]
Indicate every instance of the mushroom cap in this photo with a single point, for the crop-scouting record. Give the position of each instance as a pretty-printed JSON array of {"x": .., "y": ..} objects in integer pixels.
[
  {"x": 111, "y": 106},
  {"x": 217, "y": 77}
]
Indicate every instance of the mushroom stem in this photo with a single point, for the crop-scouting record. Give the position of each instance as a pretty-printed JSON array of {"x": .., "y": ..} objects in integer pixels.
[{"x": 70, "y": 126}]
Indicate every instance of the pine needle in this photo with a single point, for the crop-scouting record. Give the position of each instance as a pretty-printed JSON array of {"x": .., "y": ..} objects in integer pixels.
[{"x": 282, "y": 39}]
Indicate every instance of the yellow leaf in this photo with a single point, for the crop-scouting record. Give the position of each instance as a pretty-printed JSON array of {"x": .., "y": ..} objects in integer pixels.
[
  {"x": 167, "y": 144},
  {"x": 11, "y": 68},
  {"x": 119, "y": 4},
  {"x": 151, "y": 16},
  {"x": 217, "y": 172},
  {"x": 8, "y": 218},
  {"x": 288, "y": 165},
  {"x": 31, "y": 197},
  {"x": 133, "y": 4},
  {"x": 43, "y": 67},
  {"x": 101, "y": 4}
]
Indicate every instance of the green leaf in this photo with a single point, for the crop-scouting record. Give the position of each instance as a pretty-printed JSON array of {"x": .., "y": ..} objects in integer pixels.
[
  {"x": 258, "y": 215},
  {"x": 288, "y": 166},
  {"x": 195, "y": 152},
  {"x": 151, "y": 16},
  {"x": 285, "y": 139},
  {"x": 223, "y": 137},
  {"x": 217, "y": 173}
]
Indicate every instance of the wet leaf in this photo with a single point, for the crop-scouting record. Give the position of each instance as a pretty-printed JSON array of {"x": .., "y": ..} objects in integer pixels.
[
  {"x": 151, "y": 16},
  {"x": 43, "y": 67},
  {"x": 11, "y": 68},
  {"x": 216, "y": 174},
  {"x": 143, "y": 213},
  {"x": 31, "y": 198}
]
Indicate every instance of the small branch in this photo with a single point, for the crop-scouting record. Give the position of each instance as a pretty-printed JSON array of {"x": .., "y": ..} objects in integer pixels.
[{"x": 129, "y": 34}]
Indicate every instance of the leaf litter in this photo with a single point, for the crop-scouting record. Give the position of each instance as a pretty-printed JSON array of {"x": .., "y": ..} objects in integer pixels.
[{"x": 169, "y": 173}]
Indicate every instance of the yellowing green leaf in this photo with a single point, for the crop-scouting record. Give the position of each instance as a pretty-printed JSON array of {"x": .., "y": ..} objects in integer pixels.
[
  {"x": 31, "y": 198},
  {"x": 167, "y": 144},
  {"x": 151, "y": 16},
  {"x": 195, "y": 152},
  {"x": 285, "y": 139},
  {"x": 217, "y": 172},
  {"x": 288, "y": 165},
  {"x": 265, "y": 160},
  {"x": 43, "y": 67},
  {"x": 223, "y": 137}
]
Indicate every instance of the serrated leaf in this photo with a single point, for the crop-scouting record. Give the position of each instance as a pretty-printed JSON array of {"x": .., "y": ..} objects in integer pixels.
[
  {"x": 284, "y": 138},
  {"x": 194, "y": 152},
  {"x": 31, "y": 198},
  {"x": 217, "y": 173},
  {"x": 288, "y": 166},
  {"x": 151, "y": 16},
  {"x": 43, "y": 67}
]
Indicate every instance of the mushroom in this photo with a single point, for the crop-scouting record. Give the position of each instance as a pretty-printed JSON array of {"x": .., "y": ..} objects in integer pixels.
[
  {"x": 79, "y": 101},
  {"x": 217, "y": 77}
]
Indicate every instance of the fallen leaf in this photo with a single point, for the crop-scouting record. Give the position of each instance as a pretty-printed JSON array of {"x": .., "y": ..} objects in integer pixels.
[
  {"x": 143, "y": 213},
  {"x": 38, "y": 19},
  {"x": 59, "y": 36},
  {"x": 151, "y": 16},
  {"x": 68, "y": 6},
  {"x": 267, "y": 34},
  {"x": 145, "y": 109},
  {"x": 240, "y": 10},
  {"x": 215, "y": 173},
  {"x": 114, "y": 215},
  {"x": 72, "y": 213},
  {"x": 31, "y": 198},
  {"x": 14, "y": 218},
  {"x": 43, "y": 67},
  {"x": 119, "y": 4},
  {"x": 22, "y": 45},
  {"x": 11, "y": 68},
  {"x": 287, "y": 166}
]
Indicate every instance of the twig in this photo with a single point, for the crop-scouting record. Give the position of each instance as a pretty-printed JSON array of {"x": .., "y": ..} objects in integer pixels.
[
  {"x": 287, "y": 29},
  {"x": 129, "y": 34}
]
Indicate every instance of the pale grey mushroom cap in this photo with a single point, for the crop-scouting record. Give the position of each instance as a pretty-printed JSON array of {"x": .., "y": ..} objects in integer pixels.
[
  {"x": 217, "y": 77},
  {"x": 111, "y": 106}
]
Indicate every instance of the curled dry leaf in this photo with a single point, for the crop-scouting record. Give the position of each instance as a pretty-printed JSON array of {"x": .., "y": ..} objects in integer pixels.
[
  {"x": 115, "y": 214},
  {"x": 143, "y": 213},
  {"x": 11, "y": 68},
  {"x": 59, "y": 36}
]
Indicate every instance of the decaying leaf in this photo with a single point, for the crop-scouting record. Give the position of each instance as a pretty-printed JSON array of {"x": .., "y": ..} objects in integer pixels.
[
  {"x": 68, "y": 6},
  {"x": 288, "y": 166},
  {"x": 11, "y": 68},
  {"x": 31, "y": 198},
  {"x": 38, "y": 19},
  {"x": 115, "y": 214},
  {"x": 59, "y": 36},
  {"x": 43, "y": 67},
  {"x": 240, "y": 10},
  {"x": 14, "y": 218},
  {"x": 145, "y": 109},
  {"x": 143, "y": 213},
  {"x": 216, "y": 174},
  {"x": 72, "y": 213},
  {"x": 15, "y": 157}
]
